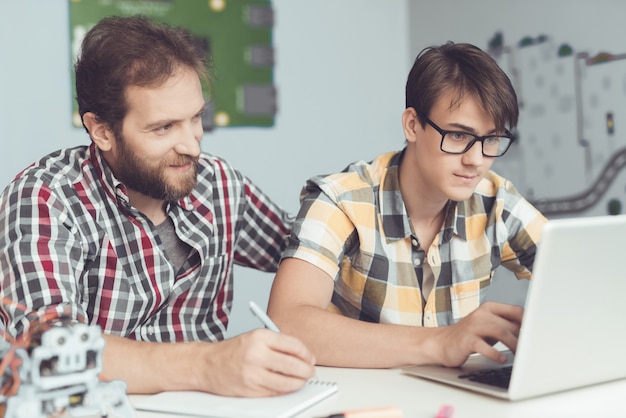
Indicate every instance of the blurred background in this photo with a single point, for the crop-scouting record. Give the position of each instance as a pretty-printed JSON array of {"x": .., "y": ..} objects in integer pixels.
[{"x": 337, "y": 72}]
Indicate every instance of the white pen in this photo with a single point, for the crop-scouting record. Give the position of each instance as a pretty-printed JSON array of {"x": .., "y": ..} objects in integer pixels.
[{"x": 263, "y": 317}]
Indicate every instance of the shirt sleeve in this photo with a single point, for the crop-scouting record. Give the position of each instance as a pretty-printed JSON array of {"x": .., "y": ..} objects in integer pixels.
[
  {"x": 524, "y": 225},
  {"x": 40, "y": 252},
  {"x": 323, "y": 231},
  {"x": 262, "y": 232}
]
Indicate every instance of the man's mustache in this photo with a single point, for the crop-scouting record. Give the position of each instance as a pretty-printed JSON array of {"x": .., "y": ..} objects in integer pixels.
[{"x": 184, "y": 159}]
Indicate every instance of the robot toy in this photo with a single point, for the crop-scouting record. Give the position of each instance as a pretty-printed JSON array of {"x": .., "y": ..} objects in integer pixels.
[{"x": 52, "y": 370}]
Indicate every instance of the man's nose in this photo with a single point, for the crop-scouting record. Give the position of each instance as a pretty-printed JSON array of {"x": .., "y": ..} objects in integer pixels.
[
  {"x": 474, "y": 155},
  {"x": 189, "y": 141}
]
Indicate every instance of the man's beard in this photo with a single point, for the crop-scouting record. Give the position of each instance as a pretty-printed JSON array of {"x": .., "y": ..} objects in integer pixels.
[{"x": 151, "y": 180}]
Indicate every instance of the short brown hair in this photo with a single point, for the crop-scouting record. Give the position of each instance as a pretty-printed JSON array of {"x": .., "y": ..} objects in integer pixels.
[
  {"x": 131, "y": 51},
  {"x": 465, "y": 70}
]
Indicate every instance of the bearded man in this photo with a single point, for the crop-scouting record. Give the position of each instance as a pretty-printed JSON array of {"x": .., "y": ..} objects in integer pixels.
[{"x": 138, "y": 232}]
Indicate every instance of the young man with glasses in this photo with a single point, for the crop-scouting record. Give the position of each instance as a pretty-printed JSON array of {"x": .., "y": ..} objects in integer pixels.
[{"x": 389, "y": 260}]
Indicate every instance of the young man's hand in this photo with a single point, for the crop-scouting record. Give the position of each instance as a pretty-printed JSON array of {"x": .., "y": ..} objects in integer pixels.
[{"x": 491, "y": 322}]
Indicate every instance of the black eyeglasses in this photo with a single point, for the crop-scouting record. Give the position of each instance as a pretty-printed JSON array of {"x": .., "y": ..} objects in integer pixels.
[{"x": 459, "y": 142}]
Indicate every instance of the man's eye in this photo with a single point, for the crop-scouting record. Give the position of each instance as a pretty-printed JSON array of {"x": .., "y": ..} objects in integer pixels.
[
  {"x": 459, "y": 136},
  {"x": 163, "y": 129}
]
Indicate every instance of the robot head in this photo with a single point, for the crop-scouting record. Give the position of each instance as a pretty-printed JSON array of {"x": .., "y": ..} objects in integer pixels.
[{"x": 65, "y": 352}]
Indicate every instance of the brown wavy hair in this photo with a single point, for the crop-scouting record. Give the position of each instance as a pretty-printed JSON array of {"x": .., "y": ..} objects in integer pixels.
[
  {"x": 131, "y": 51},
  {"x": 465, "y": 70}
]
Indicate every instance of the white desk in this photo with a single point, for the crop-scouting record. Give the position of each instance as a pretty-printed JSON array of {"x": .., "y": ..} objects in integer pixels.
[{"x": 418, "y": 398}]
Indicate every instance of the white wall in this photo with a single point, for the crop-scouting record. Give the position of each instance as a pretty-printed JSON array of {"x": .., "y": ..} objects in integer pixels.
[
  {"x": 340, "y": 73},
  {"x": 587, "y": 25}
]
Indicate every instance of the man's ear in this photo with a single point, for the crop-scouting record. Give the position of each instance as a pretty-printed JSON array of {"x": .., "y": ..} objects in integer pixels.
[
  {"x": 100, "y": 133},
  {"x": 410, "y": 124}
]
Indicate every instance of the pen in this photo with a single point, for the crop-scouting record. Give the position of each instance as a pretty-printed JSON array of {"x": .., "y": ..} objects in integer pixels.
[
  {"x": 381, "y": 412},
  {"x": 263, "y": 317}
]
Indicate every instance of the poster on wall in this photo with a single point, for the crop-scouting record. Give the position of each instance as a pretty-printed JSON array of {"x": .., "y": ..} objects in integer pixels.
[
  {"x": 571, "y": 154},
  {"x": 236, "y": 33}
]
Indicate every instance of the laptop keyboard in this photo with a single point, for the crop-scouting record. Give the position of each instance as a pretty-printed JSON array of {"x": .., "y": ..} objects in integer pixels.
[{"x": 499, "y": 377}]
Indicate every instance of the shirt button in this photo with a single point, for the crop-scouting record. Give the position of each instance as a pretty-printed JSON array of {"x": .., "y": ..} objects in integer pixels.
[
  {"x": 417, "y": 262},
  {"x": 414, "y": 242},
  {"x": 150, "y": 329},
  {"x": 429, "y": 316}
]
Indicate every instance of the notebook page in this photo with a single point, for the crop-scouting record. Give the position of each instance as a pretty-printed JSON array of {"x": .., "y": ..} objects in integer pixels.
[{"x": 209, "y": 405}]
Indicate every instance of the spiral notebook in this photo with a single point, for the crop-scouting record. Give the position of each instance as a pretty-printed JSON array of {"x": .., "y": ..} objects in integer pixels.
[{"x": 203, "y": 404}]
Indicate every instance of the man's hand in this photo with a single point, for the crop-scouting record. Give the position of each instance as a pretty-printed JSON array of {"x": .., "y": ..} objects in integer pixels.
[
  {"x": 258, "y": 363},
  {"x": 476, "y": 333}
]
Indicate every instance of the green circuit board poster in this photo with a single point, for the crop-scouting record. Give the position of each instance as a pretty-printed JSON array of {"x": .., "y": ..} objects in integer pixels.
[{"x": 237, "y": 35}]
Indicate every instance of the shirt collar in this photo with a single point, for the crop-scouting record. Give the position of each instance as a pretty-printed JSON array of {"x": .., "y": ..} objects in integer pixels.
[
  {"x": 114, "y": 188},
  {"x": 395, "y": 219}
]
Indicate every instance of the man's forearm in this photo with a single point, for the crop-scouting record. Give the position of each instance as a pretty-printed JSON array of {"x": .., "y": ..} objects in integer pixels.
[
  {"x": 257, "y": 363},
  {"x": 150, "y": 367},
  {"x": 336, "y": 340}
]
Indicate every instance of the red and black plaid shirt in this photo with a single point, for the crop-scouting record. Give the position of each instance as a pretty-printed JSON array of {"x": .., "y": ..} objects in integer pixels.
[{"x": 70, "y": 241}]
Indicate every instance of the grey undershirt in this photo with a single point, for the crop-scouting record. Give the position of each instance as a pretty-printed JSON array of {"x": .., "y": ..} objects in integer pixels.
[{"x": 176, "y": 251}]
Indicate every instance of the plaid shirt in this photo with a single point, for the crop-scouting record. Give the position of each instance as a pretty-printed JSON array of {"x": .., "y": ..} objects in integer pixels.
[
  {"x": 354, "y": 226},
  {"x": 70, "y": 241}
]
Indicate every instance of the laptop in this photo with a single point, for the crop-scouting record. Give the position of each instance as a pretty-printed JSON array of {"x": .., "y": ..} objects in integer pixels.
[{"x": 573, "y": 331}]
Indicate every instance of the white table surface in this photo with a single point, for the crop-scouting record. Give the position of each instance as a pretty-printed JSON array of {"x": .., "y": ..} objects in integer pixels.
[{"x": 419, "y": 398}]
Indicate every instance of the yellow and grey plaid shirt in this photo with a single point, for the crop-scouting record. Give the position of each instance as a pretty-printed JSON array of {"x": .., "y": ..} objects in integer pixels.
[{"x": 354, "y": 226}]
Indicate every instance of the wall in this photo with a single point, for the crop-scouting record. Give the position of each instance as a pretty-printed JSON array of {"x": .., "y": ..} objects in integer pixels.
[
  {"x": 586, "y": 25},
  {"x": 340, "y": 73}
]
